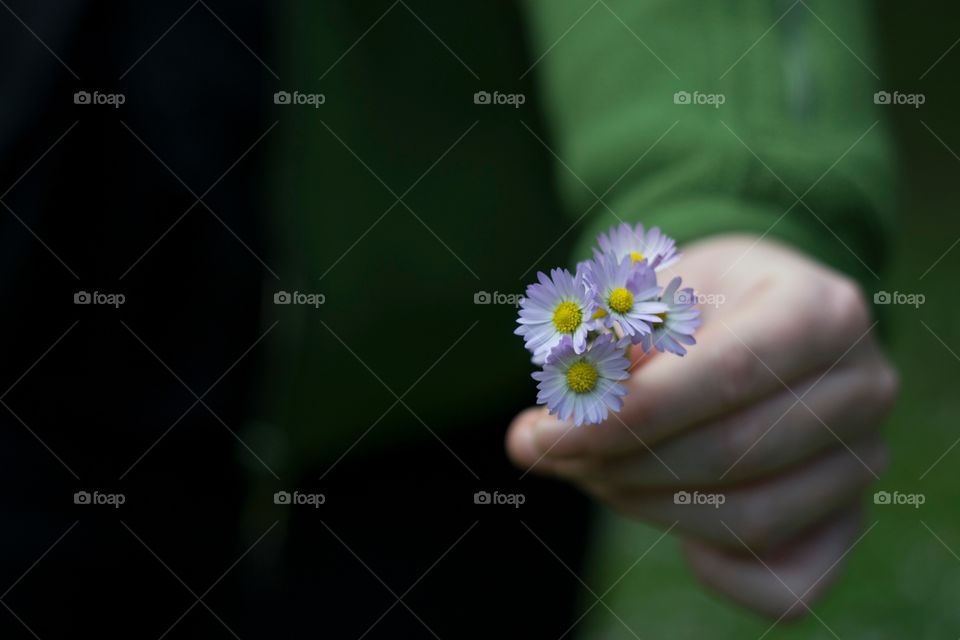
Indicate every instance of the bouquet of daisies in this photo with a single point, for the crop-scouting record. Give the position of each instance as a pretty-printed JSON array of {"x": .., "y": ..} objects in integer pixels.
[{"x": 580, "y": 327}]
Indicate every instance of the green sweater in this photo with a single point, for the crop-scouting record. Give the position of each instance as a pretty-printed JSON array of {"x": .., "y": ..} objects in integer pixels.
[
  {"x": 797, "y": 115},
  {"x": 489, "y": 203}
]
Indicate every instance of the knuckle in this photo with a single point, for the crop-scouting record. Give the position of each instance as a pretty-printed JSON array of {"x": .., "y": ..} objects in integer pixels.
[
  {"x": 847, "y": 305},
  {"x": 888, "y": 387},
  {"x": 876, "y": 392}
]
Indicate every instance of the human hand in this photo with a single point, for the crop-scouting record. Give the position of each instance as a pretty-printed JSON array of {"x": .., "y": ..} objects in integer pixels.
[{"x": 775, "y": 412}]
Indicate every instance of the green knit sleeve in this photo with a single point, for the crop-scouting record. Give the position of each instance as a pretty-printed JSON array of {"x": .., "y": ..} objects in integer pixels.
[
  {"x": 705, "y": 118},
  {"x": 713, "y": 117}
]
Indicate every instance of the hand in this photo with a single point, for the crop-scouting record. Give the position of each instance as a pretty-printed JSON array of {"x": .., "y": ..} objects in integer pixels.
[{"x": 775, "y": 412}]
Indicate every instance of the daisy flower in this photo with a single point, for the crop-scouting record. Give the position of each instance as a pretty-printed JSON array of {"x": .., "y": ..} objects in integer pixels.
[
  {"x": 626, "y": 292},
  {"x": 583, "y": 387},
  {"x": 658, "y": 249},
  {"x": 680, "y": 320},
  {"x": 558, "y": 306}
]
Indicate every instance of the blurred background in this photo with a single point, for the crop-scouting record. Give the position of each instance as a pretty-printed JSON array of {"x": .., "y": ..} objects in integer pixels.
[{"x": 202, "y": 399}]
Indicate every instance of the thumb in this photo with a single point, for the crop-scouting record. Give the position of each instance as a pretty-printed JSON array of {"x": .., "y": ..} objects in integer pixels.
[{"x": 521, "y": 446}]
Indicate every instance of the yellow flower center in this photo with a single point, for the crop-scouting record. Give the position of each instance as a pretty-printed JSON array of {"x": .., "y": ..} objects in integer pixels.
[
  {"x": 567, "y": 317},
  {"x": 599, "y": 313},
  {"x": 582, "y": 377},
  {"x": 637, "y": 256},
  {"x": 663, "y": 319},
  {"x": 621, "y": 300}
]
